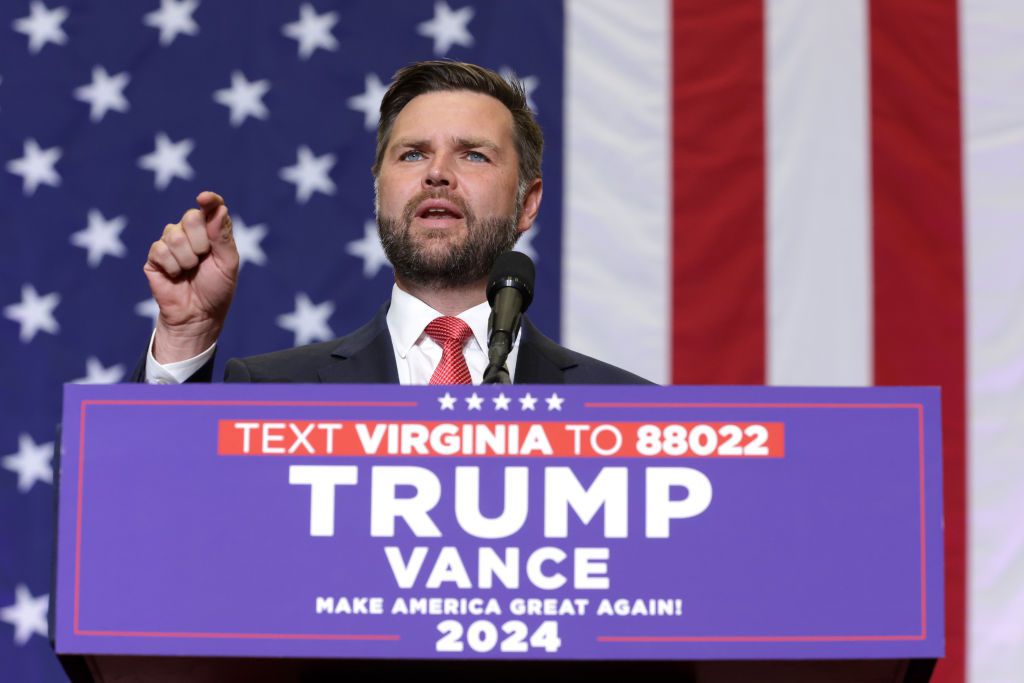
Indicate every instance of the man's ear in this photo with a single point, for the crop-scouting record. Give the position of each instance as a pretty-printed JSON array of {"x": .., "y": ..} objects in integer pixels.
[{"x": 531, "y": 205}]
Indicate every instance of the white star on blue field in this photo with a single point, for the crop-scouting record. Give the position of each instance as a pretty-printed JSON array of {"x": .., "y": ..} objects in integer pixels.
[{"x": 115, "y": 115}]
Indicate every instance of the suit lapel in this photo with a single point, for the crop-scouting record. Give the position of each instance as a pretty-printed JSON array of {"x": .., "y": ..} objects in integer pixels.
[
  {"x": 540, "y": 360},
  {"x": 364, "y": 357}
]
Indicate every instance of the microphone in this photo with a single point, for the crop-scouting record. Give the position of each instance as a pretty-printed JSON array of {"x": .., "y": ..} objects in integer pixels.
[{"x": 509, "y": 292}]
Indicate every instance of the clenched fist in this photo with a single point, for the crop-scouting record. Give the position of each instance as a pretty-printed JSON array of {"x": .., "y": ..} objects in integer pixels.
[{"x": 192, "y": 271}]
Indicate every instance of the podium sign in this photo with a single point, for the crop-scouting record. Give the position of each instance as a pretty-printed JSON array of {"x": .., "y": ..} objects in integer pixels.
[{"x": 523, "y": 522}]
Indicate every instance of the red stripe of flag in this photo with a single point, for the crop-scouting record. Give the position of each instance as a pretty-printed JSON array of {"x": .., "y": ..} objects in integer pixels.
[
  {"x": 918, "y": 245},
  {"x": 718, "y": 293}
]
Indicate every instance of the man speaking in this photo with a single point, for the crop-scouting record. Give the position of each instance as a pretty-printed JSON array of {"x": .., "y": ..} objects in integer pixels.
[{"x": 457, "y": 177}]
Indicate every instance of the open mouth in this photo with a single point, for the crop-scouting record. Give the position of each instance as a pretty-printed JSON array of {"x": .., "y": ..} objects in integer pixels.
[{"x": 438, "y": 211}]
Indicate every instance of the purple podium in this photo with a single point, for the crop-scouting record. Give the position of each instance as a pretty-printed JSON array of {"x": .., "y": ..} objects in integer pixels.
[{"x": 297, "y": 532}]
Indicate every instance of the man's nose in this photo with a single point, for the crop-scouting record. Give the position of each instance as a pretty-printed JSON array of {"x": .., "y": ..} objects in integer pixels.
[{"x": 439, "y": 173}]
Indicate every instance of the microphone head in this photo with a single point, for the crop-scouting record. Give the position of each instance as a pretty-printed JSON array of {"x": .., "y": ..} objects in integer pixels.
[{"x": 512, "y": 269}]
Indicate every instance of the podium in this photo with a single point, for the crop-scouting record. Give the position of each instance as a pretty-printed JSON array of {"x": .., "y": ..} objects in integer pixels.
[{"x": 302, "y": 533}]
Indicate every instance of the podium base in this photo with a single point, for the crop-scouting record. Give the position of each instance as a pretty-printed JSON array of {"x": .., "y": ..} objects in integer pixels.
[{"x": 131, "y": 669}]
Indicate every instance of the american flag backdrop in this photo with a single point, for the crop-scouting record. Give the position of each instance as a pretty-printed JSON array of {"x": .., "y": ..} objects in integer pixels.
[{"x": 795, "y": 192}]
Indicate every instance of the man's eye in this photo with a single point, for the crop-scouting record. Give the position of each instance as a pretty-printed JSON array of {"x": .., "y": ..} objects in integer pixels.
[
  {"x": 476, "y": 156},
  {"x": 411, "y": 155}
]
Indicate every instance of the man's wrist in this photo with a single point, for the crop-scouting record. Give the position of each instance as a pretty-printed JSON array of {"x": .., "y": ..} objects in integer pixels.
[
  {"x": 176, "y": 372},
  {"x": 177, "y": 344}
]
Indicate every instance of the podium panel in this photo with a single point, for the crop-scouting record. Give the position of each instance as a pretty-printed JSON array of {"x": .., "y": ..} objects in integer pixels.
[{"x": 528, "y": 529}]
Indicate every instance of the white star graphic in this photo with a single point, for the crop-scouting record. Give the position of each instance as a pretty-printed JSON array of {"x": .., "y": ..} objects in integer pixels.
[
  {"x": 310, "y": 174},
  {"x": 555, "y": 402},
  {"x": 308, "y": 321},
  {"x": 247, "y": 239},
  {"x": 474, "y": 402},
  {"x": 501, "y": 401},
  {"x": 42, "y": 26},
  {"x": 148, "y": 308},
  {"x": 36, "y": 166},
  {"x": 447, "y": 401},
  {"x": 529, "y": 83},
  {"x": 173, "y": 17},
  {"x": 527, "y": 402},
  {"x": 95, "y": 373},
  {"x": 100, "y": 237},
  {"x": 31, "y": 463},
  {"x": 244, "y": 98},
  {"x": 105, "y": 93},
  {"x": 168, "y": 161},
  {"x": 27, "y": 615},
  {"x": 369, "y": 249},
  {"x": 525, "y": 243},
  {"x": 34, "y": 313},
  {"x": 369, "y": 101},
  {"x": 447, "y": 28},
  {"x": 312, "y": 30}
]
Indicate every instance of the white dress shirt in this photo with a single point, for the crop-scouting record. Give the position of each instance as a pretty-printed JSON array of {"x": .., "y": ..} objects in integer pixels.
[{"x": 416, "y": 354}]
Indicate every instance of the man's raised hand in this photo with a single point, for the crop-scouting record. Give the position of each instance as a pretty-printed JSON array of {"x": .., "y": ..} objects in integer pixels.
[{"x": 192, "y": 271}]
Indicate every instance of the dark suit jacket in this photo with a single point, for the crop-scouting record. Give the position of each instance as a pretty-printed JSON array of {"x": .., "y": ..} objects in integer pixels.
[{"x": 367, "y": 356}]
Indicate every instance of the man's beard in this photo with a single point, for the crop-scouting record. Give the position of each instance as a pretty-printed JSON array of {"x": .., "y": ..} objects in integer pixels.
[{"x": 461, "y": 262}]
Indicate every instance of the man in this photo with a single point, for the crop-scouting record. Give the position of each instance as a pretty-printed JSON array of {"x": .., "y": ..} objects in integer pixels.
[{"x": 458, "y": 180}]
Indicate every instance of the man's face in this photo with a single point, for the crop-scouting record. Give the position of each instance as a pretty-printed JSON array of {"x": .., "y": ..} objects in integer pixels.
[{"x": 446, "y": 191}]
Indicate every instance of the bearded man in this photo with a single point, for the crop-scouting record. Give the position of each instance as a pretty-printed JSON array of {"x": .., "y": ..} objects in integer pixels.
[{"x": 457, "y": 176}]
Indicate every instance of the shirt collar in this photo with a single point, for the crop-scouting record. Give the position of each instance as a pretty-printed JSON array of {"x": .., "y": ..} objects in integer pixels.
[{"x": 407, "y": 316}]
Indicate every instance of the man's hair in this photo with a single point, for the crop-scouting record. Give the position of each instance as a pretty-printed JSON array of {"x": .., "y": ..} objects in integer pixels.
[{"x": 442, "y": 75}]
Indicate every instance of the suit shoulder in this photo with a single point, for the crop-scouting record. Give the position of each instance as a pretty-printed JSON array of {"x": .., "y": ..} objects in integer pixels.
[
  {"x": 297, "y": 365},
  {"x": 542, "y": 360},
  {"x": 308, "y": 364},
  {"x": 590, "y": 370}
]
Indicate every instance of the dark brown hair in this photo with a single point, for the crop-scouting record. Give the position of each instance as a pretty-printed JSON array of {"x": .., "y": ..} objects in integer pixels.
[{"x": 442, "y": 75}]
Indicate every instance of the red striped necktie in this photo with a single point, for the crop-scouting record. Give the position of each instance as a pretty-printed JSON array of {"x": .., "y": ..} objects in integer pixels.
[{"x": 451, "y": 333}]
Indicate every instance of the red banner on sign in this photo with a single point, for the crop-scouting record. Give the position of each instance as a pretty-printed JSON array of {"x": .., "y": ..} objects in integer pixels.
[{"x": 483, "y": 439}]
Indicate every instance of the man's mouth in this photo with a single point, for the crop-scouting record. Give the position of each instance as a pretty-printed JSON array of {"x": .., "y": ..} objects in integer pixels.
[{"x": 438, "y": 213}]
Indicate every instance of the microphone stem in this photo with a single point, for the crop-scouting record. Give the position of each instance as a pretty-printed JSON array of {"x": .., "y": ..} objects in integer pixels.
[
  {"x": 497, "y": 355},
  {"x": 496, "y": 375}
]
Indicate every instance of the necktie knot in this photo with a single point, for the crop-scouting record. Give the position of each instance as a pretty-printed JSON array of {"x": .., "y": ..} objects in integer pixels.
[
  {"x": 451, "y": 334},
  {"x": 448, "y": 330}
]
